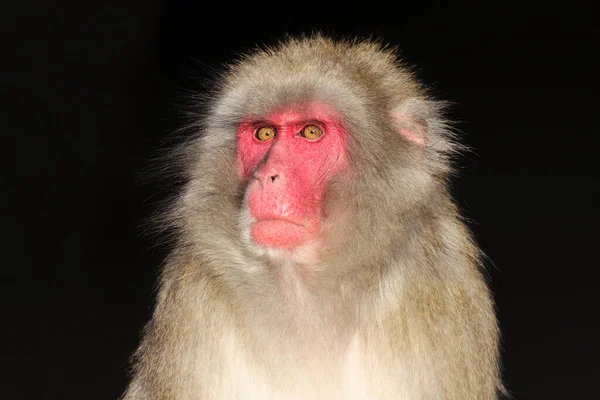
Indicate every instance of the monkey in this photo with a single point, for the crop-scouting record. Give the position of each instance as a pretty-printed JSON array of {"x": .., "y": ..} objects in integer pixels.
[{"x": 318, "y": 253}]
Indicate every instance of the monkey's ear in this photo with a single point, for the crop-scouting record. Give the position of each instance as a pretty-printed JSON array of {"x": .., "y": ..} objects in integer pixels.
[
  {"x": 410, "y": 119},
  {"x": 411, "y": 128}
]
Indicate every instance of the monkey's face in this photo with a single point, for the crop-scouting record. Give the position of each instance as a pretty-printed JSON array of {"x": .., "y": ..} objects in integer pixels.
[{"x": 287, "y": 158}]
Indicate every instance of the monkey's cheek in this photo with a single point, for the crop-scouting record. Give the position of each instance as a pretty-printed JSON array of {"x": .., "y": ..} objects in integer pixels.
[{"x": 278, "y": 233}]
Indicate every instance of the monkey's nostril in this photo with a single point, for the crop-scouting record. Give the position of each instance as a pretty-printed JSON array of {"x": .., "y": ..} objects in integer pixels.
[{"x": 274, "y": 178}]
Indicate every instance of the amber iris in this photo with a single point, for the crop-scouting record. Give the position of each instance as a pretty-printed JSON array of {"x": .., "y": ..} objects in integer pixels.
[
  {"x": 265, "y": 133},
  {"x": 311, "y": 132}
]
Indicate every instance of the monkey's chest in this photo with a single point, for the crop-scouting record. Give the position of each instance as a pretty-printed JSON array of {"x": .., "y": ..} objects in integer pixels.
[{"x": 286, "y": 378}]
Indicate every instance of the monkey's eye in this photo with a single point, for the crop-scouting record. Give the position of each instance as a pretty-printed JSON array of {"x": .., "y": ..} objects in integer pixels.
[
  {"x": 265, "y": 133},
  {"x": 311, "y": 132}
]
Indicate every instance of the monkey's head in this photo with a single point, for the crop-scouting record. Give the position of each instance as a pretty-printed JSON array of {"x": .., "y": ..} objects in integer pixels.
[{"x": 312, "y": 137}]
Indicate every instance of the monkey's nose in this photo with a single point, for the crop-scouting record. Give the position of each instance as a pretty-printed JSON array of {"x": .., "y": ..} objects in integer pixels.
[{"x": 269, "y": 178}]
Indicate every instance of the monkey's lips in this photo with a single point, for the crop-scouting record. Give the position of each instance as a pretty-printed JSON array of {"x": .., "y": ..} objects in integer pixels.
[{"x": 278, "y": 232}]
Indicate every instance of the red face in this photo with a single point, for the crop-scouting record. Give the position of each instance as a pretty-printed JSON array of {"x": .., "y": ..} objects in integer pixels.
[{"x": 289, "y": 158}]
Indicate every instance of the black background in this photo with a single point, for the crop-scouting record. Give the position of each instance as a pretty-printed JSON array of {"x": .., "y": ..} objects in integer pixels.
[{"x": 90, "y": 94}]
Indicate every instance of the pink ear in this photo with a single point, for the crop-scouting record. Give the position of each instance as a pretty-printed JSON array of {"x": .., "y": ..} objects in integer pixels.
[{"x": 411, "y": 128}]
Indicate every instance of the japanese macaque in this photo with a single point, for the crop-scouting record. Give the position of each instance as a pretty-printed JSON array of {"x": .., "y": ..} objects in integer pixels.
[{"x": 318, "y": 252}]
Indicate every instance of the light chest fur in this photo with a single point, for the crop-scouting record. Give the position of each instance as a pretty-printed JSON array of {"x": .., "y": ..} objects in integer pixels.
[{"x": 354, "y": 377}]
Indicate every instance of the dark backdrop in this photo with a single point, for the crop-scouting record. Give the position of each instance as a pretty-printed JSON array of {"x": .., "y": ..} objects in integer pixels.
[{"x": 89, "y": 93}]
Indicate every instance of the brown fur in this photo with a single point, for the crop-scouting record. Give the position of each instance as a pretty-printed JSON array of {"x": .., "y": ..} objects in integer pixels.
[{"x": 392, "y": 306}]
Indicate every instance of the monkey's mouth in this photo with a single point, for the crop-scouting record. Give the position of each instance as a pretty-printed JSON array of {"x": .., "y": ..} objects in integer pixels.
[
  {"x": 278, "y": 232},
  {"x": 271, "y": 219}
]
